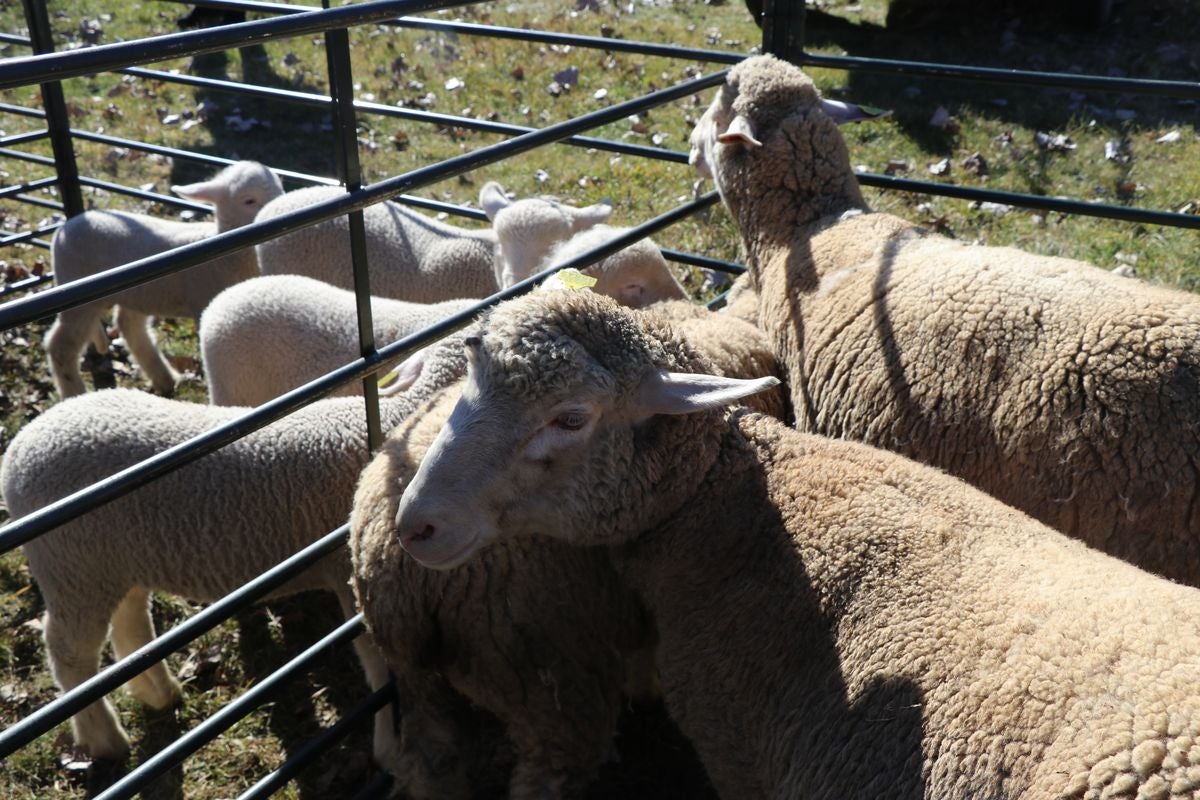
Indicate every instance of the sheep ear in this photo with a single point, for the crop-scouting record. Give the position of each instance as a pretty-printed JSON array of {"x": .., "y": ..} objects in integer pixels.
[
  {"x": 740, "y": 131},
  {"x": 663, "y": 392},
  {"x": 493, "y": 199},
  {"x": 841, "y": 113},
  {"x": 204, "y": 192},
  {"x": 583, "y": 218},
  {"x": 405, "y": 373}
]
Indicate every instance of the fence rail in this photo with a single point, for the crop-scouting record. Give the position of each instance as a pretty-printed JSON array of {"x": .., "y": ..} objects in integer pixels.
[{"x": 783, "y": 26}]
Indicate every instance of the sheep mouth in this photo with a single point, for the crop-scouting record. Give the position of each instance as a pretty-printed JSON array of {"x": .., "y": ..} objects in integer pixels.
[{"x": 428, "y": 554}]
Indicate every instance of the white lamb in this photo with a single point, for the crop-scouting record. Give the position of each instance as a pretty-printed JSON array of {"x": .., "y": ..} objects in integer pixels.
[
  {"x": 302, "y": 328},
  {"x": 271, "y": 334},
  {"x": 198, "y": 532},
  {"x": 414, "y": 257},
  {"x": 834, "y": 620},
  {"x": 98, "y": 240}
]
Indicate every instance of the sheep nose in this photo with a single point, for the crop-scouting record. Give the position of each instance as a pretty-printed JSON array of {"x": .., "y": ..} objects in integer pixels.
[{"x": 424, "y": 534}]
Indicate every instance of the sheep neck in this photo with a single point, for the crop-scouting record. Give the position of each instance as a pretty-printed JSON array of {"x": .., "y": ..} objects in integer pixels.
[{"x": 748, "y": 596}]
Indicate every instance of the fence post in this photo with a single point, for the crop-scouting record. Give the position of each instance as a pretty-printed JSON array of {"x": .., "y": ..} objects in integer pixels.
[
  {"x": 341, "y": 89},
  {"x": 57, "y": 121},
  {"x": 783, "y": 29}
]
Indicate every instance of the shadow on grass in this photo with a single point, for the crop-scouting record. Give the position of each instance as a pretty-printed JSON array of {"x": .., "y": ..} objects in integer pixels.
[{"x": 1151, "y": 40}]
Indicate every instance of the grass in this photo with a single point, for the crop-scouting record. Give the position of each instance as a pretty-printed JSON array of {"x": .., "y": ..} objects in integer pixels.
[{"x": 996, "y": 125}]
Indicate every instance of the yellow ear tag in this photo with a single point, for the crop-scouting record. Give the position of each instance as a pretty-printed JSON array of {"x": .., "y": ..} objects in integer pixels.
[
  {"x": 574, "y": 279},
  {"x": 388, "y": 378}
]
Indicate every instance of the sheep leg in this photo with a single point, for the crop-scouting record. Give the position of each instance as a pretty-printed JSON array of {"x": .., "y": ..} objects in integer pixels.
[
  {"x": 73, "y": 648},
  {"x": 385, "y": 745},
  {"x": 64, "y": 344},
  {"x": 132, "y": 627},
  {"x": 135, "y": 327}
]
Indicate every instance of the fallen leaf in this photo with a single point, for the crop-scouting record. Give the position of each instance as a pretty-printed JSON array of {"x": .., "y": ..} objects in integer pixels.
[
  {"x": 567, "y": 77},
  {"x": 941, "y": 167},
  {"x": 1167, "y": 138},
  {"x": 541, "y": 176},
  {"x": 1056, "y": 142},
  {"x": 454, "y": 83}
]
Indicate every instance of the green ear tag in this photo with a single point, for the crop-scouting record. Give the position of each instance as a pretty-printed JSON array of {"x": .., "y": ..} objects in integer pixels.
[{"x": 574, "y": 279}]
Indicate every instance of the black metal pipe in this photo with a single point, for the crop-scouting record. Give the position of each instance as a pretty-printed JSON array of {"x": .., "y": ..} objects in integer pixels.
[
  {"x": 303, "y": 757},
  {"x": 32, "y": 158},
  {"x": 400, "y": 112},
  {"x": 28, "y": 186},
  {"x": 165, "y": 199},
  {"x": 22, "y": 138},
  {"x": 783, "y": 29},
  {"x": 218, "y": 723},
  {"x": 30, "y": 234},
  {"x": 520, "y": 34},
  {"x": 341, "y": 85},
  {"x": 55, "y": 106},
  {"x": 23, "y": 111},
  {"x": 22, "y": 285},
  {"x": 706, "y": 262},
  {"x": 57, "y": 711},
  {"x": 25, "y": 70},
  {"x": 189, "y": 155},
  {"x": 135, "y": 273},
  {"x": 1092, "y": 83},
  {"x": 1080, "y": 207}
]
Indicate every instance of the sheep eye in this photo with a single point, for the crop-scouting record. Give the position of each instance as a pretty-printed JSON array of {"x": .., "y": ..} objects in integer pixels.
[
  {"x": 472, "y": 342},
  {"x": 570, "y": 421},
  {"x": 250, "y": 201}
]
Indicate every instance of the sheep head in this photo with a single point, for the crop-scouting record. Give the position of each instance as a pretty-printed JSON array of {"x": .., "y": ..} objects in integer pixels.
[
  {"x": 769, "y": 113},
  {"x": 635, "y": 276},
  {"x": 237, "y": 193},
  {"x": 575, "y": 422},
  {"x": 527, "y": 229}
]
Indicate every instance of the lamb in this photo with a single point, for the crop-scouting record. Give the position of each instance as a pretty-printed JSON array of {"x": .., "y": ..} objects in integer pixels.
[
  {"x": 416, "y": 258},
  {"x": 1057, "y": 387},
  {"x": 288, "y": 315},
  {"x": 98, "y": 240},
  {"x": 246, "y": 507},
  {"x": 636, "y": 276},
  {"x": 557, "y": 673},
  {"x": 833, "y": 620},
  {"x": 301, "y": 328}
]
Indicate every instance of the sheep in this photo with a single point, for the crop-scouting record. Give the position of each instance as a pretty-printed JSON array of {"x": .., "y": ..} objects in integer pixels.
[
  {"x": 636, "y": 276},
  {"x": 416, "y": 258},
  {"x": 833, "y": 620},
  {"x": 554, "y": 673},
  {"x": 198, "y": 532},
  {"x": 98, "y": 240},
  {"x": 300, "y": 328},
  {"x": 1066, "y": 391},
  {"x": 286, "y": 315}
]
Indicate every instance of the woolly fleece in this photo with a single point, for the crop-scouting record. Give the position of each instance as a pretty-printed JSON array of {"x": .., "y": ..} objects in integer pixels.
[
  {"x": 1061, "y": 389},
  {"x": 835, "y": 620}
]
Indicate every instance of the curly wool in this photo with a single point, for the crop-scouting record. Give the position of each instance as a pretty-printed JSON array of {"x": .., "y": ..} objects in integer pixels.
[
  {"x": 838, "y": 621},
  {"x": 198, "y": 532},
  {"x": 1057, "y": 387}
]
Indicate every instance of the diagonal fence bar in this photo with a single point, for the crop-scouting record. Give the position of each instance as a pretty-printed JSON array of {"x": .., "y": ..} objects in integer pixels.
[{"x": 147, "y": 269}]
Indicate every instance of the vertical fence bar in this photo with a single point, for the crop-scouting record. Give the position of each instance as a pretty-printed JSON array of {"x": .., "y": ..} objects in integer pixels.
[
  {"x": 56, "y": 112},
  {"x": 341, "y": 89},
  {"x": 783, "y": 29}
]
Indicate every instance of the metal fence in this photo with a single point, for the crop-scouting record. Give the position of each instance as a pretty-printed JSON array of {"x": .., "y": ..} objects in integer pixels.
[{"x": 783, "y": 34}]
